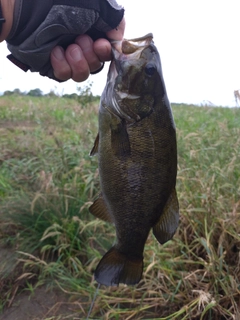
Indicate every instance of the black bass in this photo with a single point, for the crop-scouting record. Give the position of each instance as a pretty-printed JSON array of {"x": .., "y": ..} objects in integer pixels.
[{"x": 137, "y": 155}]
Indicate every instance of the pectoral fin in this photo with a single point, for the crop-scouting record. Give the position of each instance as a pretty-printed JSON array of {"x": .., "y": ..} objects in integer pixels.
[
  {"x": 168, "y": 222},
  {"x": 120, "y": 140},
  {"x": 99, "y": 209},
  {"x": 94, "y": 150}
]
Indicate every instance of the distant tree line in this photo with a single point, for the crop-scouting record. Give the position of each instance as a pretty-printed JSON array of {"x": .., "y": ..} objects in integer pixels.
[
  {"x": 38, "y": 93},
  {"x": 33, "y": 93},
  {"x": 83, "y": 96}
]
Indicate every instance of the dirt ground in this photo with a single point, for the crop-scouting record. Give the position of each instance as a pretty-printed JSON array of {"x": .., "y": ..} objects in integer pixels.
[{"x": 42, "y": 304}]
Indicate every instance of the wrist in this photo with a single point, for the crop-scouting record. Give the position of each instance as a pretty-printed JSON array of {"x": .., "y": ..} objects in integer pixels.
[{"x": 7, "y": 13}]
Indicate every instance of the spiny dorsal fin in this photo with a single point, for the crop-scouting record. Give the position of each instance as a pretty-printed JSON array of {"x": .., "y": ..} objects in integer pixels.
[
  {"x": 94, "y": 150},
  {"x": 166, "y": 226},
  {"x": 99, "y": 209}
]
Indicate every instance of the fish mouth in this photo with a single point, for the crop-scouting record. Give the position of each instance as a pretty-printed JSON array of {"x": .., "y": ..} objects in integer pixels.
[
  {"x": 124, "y": 51},
  {"x": 123, "y": 92},
  {"x": 132, "y": 46}
]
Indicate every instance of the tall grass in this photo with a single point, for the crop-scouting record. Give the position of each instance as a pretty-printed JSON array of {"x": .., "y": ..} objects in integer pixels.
[{"x": 48, "y": 180}]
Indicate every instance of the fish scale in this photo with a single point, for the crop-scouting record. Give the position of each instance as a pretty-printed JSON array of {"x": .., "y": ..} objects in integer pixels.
[{"x": 137, "y": 157}]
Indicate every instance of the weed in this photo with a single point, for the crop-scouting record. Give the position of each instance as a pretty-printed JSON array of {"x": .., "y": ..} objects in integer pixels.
[{"x": 48, "y": 181}]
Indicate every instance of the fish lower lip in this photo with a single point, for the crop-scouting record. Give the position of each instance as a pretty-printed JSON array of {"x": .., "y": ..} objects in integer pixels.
[{"x": 125, "y": 95}]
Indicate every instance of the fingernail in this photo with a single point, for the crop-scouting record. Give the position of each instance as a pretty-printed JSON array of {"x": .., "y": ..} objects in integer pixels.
[
  {"x": 58, "y": 53},
  {"x": 76, "y": 54}
]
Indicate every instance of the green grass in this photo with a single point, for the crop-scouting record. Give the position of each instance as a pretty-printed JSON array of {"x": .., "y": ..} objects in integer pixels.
[{"x": 48, "y": 180}]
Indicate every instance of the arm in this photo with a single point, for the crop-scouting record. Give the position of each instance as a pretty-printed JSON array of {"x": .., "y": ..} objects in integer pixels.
[{"x": 7, "y": 12}]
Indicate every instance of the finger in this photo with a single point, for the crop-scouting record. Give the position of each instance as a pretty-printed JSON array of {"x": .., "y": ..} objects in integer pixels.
[
  {"x": 61, "y": 68},
  {"x": 77, "y": 62},
  {"x": 117, "y": 34},
  {"x": 86, "y": 45},
  {"x": 102, "y": 49}
]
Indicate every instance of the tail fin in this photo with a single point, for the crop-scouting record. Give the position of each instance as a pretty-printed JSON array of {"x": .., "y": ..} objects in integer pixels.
[{"x": 115, "y": 268}]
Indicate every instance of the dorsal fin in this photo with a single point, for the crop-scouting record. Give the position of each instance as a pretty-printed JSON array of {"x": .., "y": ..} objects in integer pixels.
[{"x": 94, "y": 150}]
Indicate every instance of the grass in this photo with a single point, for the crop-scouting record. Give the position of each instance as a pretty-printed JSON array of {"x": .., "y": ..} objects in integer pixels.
[{"x": 48, "y": 180}]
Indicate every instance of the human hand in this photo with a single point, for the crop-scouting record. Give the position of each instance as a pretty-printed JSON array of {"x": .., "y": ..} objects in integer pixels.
[
  {"x": 85, "y": 56},
  {"x": 80, "y": 27}
]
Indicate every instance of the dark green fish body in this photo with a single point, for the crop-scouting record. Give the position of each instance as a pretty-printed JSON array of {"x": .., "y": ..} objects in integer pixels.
[{"x": 137, "y": 154}]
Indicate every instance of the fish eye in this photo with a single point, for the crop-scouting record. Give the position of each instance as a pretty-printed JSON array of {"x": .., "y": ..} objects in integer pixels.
[{"x": 150, "y": 69}]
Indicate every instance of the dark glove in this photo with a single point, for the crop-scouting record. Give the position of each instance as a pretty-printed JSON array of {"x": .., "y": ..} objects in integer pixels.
[{"x": 40, "y": 25}]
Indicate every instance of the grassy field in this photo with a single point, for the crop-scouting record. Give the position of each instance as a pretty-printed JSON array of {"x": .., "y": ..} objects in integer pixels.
[{"x": 49, "y": 240}]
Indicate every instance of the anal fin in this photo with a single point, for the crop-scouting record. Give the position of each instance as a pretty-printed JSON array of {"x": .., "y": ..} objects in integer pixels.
[
  {"x": 166, "y": 226},
  {"x": 99, "y": 209}
]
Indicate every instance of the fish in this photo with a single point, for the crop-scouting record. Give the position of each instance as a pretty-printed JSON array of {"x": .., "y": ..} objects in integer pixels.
[{"x": 137, "y": 159}]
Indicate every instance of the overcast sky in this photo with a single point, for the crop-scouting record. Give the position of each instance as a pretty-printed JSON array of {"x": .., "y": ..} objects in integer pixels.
[{"x": 198, "y": 41}]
